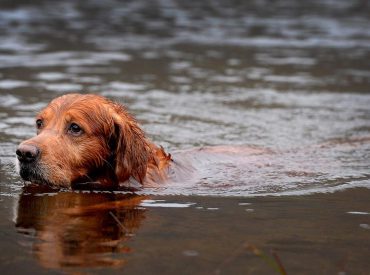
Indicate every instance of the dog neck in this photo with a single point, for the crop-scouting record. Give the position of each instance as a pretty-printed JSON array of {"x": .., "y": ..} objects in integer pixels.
[{"x": 157, "y": 168}]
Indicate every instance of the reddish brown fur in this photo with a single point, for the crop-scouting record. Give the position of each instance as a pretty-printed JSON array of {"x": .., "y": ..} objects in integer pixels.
[{"x": 112, "y": 148}]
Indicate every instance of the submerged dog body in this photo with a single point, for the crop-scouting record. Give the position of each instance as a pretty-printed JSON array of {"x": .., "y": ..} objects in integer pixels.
[{"x": 88, "y": 138}]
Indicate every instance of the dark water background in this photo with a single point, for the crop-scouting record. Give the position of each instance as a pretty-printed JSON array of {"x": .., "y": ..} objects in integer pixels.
[{"x": 292, "y": 77}]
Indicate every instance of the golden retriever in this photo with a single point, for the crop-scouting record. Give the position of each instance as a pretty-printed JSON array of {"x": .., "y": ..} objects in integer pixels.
[{"x": 88, "y": 139}]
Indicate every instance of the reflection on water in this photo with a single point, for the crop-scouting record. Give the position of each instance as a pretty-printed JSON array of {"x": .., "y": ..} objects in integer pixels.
[
  {"x": 115, "y": 233},
  {"x": 79, "y": 229}
]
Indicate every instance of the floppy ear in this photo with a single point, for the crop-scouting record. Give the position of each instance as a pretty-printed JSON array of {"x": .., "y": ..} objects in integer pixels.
[{"x": 132, "y": 149}]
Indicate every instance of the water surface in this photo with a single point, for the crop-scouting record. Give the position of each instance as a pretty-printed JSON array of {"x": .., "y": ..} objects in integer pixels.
[{"x": 289, "y": 78}]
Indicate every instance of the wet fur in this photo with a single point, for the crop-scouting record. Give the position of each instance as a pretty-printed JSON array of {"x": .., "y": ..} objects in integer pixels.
[{"x": 111, "y": 151}]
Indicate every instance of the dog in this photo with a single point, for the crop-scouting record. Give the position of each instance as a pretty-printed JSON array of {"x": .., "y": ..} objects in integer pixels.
[{"x": 89, "y": 140}]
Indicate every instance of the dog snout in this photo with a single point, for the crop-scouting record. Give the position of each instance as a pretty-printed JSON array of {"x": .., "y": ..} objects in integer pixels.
[{"x": 27, "y": 153}]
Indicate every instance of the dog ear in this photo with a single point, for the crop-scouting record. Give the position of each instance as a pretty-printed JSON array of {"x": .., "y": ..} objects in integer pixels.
[{"x": 132, "y": 149}]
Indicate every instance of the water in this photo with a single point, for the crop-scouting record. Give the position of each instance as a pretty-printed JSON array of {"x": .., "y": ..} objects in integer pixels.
[{"x": 288, "y": 78}]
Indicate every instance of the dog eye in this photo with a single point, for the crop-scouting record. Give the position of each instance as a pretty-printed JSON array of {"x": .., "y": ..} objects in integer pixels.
[
  {"x": 74, "y": 129},
  {"x": 39, "y": 124}
]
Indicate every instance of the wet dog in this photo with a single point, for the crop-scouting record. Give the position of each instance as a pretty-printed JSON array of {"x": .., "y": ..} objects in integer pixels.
[{"x": 88, "y": 139}]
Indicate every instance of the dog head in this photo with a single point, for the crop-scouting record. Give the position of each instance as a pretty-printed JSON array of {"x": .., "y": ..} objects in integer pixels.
[{"x": 84, "y": 138}]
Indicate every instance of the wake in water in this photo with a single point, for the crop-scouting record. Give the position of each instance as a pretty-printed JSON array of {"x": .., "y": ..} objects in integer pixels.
[{"x": 254, "y": 171}]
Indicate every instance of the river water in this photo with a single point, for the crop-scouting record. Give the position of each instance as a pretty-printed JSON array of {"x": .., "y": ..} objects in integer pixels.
[{"x": 288, "y": 77}]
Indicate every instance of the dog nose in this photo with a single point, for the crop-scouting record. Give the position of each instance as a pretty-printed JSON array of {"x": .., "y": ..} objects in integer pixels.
[{"x": 27, "y": 153}]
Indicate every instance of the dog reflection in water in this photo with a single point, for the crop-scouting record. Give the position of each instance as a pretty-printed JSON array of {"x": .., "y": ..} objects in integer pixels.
[{"x": 79, "y": 229}]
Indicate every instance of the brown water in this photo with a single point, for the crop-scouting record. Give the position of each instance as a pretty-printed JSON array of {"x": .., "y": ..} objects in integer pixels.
[{"x": 290, "y": 78}]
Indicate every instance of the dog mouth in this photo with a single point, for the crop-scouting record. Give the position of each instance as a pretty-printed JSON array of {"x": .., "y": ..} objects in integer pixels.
[
  {"x": 48, "y": 175},
  {"x": 33, "y": 174}
]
